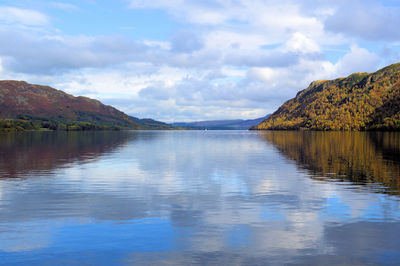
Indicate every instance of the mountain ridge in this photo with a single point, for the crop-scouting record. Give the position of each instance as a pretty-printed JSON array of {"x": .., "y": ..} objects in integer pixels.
[
  {"x": 234, "y": 124},
  {"x": 36, "y": 106},
  {"x": 361, "y": 101}
]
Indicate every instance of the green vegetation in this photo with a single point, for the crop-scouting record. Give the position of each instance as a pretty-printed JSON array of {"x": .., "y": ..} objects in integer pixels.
[
  {"x": 9, "y": 125},
  {"x": 361, "y": 101},
  {"x": 25, "y": 106},
  {"x": 147, "y": 123}
]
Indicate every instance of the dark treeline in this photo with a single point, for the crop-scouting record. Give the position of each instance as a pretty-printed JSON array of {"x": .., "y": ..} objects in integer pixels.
[{"x": 9, "y": 125}]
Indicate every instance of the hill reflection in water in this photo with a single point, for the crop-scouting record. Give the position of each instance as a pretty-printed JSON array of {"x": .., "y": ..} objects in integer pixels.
[
  {"x": 198, "y": 198},
  {"x": 27, "y": 152},
  {"x": 360, "y": 157}
]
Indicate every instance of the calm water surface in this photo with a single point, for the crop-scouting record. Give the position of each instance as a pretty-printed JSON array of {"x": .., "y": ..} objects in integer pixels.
[{"x": 199, "y": 197}]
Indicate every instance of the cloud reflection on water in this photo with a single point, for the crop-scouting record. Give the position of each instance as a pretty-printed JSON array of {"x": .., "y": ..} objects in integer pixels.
[{"x": 213, "y": 196}]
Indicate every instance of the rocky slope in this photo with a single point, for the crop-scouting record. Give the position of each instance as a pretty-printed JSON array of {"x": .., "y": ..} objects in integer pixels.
[
  {"x": 22, "y": 102},
  {"x": 362, "y": 101}
]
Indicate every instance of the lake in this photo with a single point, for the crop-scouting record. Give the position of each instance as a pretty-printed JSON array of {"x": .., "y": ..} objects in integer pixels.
[{"x": 199, "y": 197}]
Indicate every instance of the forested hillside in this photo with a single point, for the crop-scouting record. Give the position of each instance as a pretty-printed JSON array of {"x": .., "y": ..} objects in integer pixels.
[
  {"x": 362, "y": 101},
  {"x": 25, "y": 106}
]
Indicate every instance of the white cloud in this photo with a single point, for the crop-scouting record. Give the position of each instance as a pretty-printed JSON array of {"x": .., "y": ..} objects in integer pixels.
[
  {"x": 357, "y": 60},
  {"x": 35, "y": 52},
  {"x": 369, "y": 19},
  {"x": 300, "y": 43},
  {"x": 186, "y": 42},
  {"x": 265, "y": 74},
  {"x": 13, "y": 15},
  {"x": 227, "y": 40},
  {"x": 226, "y": 58}
]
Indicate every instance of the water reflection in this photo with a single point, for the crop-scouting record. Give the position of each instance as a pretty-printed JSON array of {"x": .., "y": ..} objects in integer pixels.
[
  {"x": 360, "y": 157},
  {"x": 24, "y": 153},
  {"x": 188, "y": 197}
]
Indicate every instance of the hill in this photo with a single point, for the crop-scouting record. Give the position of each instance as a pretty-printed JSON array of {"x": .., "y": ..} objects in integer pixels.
[
  {"x": 148, "y": 123},
  {"x": 237, "y": 124},
  {"x": 25, "y": 106},
  {"x": 362, "y": 101}
]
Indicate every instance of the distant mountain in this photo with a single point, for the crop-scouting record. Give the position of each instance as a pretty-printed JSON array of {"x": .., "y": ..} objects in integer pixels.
[
  {"x": 221, "y": 124},
  {"x": 28, "y": 106},
  {"x": 362, "y": 101},
  {"x": 149, "y": 123}
]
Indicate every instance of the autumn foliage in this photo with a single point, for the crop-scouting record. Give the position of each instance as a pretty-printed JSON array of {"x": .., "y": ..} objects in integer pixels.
[
  {"x": 360, "y": 157},
  {"x": 362, "y": 101}
]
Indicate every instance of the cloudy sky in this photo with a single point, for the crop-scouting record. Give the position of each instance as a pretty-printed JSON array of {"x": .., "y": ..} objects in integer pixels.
[{"x": 186, "y": 60}]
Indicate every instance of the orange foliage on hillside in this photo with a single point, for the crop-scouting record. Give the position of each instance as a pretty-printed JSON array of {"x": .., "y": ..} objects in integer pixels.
[{"x": 361, "y": 101}]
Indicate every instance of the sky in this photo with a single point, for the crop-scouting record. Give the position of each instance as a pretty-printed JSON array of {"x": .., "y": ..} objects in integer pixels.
[{"x": 190, "y": 60}]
